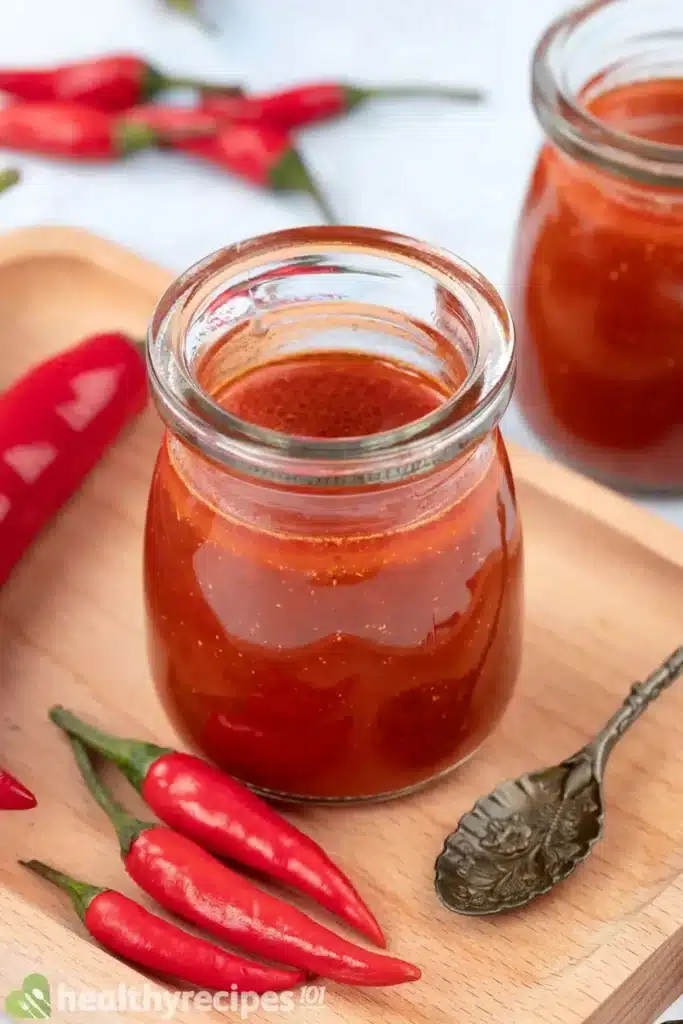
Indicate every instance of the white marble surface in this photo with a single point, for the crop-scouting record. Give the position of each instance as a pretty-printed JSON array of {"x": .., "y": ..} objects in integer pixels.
[{"x": 454, "y": 176}]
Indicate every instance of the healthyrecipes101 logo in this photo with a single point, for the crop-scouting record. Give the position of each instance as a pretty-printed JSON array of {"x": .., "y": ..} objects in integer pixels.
[{"x": 34, "y": 1000}]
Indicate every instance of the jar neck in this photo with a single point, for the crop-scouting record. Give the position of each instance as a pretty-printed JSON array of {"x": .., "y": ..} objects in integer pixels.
[
  {"x": 594, "y": 49},
  {"x": 370, "y": 510},
  {"x": 386, "y": 294}
]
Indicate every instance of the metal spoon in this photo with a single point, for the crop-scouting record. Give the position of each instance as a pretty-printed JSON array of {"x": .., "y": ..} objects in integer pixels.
[{"x": 532, "y": 832}]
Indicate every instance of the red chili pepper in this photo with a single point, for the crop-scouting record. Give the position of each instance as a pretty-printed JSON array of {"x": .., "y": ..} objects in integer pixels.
[
  {"x": 225, "y": 817},
  {"x": 307, "y": 104},
  {"x": 190, "y": 882},
  {"x": 259, "y": 153},
  {"x": 55, "y": 423},
  {"x": 111, "y": 83},
  {"x": 70, "y": 130},
  {"x": 14, "y": 796},
  {"x": 125, "y": 928}
]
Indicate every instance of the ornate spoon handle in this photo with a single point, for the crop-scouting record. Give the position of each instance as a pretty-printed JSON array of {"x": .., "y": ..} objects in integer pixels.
[{"x": 640, "y": 697}]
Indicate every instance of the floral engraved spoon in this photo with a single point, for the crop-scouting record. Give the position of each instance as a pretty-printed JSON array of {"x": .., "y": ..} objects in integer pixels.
[{"x": 532, "y": 832}]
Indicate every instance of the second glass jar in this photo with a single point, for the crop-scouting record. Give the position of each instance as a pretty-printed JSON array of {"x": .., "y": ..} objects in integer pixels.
[
  {"x": 333, "y": 564},
  {"x": 597, "y": 289}
]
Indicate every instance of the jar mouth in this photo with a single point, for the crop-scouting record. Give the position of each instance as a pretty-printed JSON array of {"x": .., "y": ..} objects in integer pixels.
[
  {"x": 185, "y": 312},
  {"x": 645, "y": 51}
]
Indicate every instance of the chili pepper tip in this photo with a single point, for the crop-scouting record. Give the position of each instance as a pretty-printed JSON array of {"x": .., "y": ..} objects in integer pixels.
[{"x": 14, "y": 796}]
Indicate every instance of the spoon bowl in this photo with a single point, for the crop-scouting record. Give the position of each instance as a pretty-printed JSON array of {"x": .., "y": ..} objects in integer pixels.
[{"x": 519, "y": 841}]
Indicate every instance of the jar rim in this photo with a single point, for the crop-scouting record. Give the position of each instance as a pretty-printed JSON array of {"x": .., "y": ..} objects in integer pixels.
[
  {"x": 191, "y": 413},
  {"x": 581, "y": 134}
]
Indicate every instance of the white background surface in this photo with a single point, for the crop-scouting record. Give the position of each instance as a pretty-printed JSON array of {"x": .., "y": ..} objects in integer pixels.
[{"x": 454, "y": 176}]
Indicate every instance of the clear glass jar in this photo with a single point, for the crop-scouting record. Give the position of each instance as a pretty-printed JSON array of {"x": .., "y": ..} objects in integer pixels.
[
  {"x": 597, "y": 288},
  {"x": 334, "y": 613}
]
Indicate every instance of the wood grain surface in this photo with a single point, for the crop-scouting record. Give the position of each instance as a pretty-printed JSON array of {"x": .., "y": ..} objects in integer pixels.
[{"x": 604, "y": 606}]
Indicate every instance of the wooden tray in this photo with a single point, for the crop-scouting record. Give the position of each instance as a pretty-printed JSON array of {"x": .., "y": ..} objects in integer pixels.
[{"x": 605, "y": 604}]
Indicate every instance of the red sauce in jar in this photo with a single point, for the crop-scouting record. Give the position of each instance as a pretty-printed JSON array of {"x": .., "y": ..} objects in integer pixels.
[
  {"x": 332, "y": 646},
  {"x": 598, "y": 302},
  {"x": 331, "y": 394}
]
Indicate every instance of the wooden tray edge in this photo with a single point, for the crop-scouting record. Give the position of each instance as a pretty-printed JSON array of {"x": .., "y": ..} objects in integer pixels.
[
  {"x": 643, "y": 955},
  {"x": 36, "y": 241}
]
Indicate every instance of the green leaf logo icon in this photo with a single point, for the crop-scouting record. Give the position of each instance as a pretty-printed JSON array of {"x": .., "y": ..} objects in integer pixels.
[{"x": 32, "y": 1001}]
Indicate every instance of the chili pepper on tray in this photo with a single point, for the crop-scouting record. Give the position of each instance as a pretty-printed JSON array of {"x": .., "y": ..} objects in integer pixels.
[
  {"x": 14, "y": 796},
  {"x": 225, "y": 817},
  {"x": 111, "y": 83},
  {"x": 77, "y": 132},
  {"x": 130, "y": 931},
  {"x": 55, "y": 424},
  {"x": 191, "y": 883},
  {"x": 308, "y": 104}
]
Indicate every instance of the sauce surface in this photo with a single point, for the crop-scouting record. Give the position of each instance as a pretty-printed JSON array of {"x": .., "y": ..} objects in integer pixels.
[
  {"x": 332, "y": 645},
  {"x": 331, "y": 394},
  {"x": 597, "y": 297}
]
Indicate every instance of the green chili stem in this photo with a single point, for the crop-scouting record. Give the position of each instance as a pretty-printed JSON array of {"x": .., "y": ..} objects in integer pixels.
[
  {"x": 190, "y": 8},
  {"x": 8, "y": 178},
  {"x": 82, "y": 894},
  {"x": 132, "y": 756},
  {"x": 128, "y": 828},
  {"x": 461, "y": 94}
]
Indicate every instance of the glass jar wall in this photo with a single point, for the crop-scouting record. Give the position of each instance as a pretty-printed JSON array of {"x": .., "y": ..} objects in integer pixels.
[{"x": 597, "y": 288}]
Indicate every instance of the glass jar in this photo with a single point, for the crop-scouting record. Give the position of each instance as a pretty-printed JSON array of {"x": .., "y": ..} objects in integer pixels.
[
  {"x": 334, "y": 609},
  {"x": 597, "y": 289}
]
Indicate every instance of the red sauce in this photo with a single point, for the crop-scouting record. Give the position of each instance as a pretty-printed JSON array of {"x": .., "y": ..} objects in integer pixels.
[
  {"x": 331, "y": 395},
  {"x": 598, "y": 303},
  {"x": 341, "y": 644}
]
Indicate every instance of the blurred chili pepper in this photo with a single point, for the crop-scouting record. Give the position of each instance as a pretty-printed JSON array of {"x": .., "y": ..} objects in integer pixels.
[
  {"x": 112, "y": 83},
  {"x": 69, "y": 130},
  {"x": 188, "y": 881},
  {"x": 14, "y": 796},
  {"x": 8, "y": 178},
  {"x": 76, "y": 132},
  {"x": 55, "y": 424},
  {"x": 307, "y": 104},
  {"x": 225, "y": 817},
  {"x": 125, "y": 928},
  {"x": 259, "y": 153}
]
